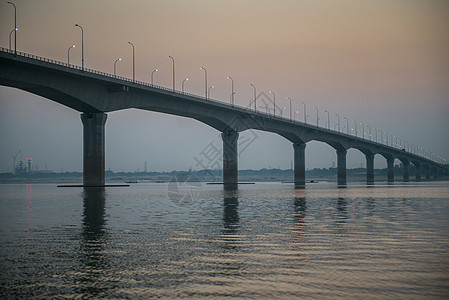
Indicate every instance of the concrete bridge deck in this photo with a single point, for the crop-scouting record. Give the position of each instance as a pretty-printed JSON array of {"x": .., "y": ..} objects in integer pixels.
[{"x": 95, "y": 93}]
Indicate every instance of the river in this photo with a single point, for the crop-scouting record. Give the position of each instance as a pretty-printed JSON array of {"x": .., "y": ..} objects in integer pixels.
[{"x": 193, "y": 240}]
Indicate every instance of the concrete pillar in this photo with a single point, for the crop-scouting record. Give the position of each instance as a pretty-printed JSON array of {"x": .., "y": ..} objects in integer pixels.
[
  {"x": 405, "y": 173},
  {"x": 341, "y": 167},
  {"x": 390, "y": 170},
  {"x": 230, "y": 158},
  {"x": 427, "y": 172},
  {"x": 369, "y": 169},
  {"x": 93, "y": 148},
  {"x": 418, "y": 172},
  {"x": 300, "y": 164},
  {"x": 435, "y": 174}
]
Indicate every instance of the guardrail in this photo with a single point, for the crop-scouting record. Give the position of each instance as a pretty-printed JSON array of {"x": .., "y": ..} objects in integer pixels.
[{"x": 410, "y": 149}]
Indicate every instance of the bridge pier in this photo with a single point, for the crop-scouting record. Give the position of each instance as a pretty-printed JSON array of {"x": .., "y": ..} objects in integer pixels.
[
  {"x": 435, "y": 174},
  {"x": 390, "y": 170},
  {"x": 299, "y": 164},
  {"x": 427, "y": 169},
  {"x": 93, "y": 148},
  {"x": 341, "y": 167},
  {"x": 405, "y": 171},
  {"x": 369, "y": 169},
  {"x": 417, "y": 172},
  {"x": 230, "y": 158}
]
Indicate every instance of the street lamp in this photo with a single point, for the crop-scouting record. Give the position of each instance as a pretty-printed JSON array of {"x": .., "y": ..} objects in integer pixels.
[
  {"x": 381, "y": 136},
  {"x": 290, "y": 107},
  {"x": 328, "y": 120},
  {"x": 15, "y": 27},
  {"x": 232, "y": 90},
  {"x": 294, "y": 117},
  {"x": 115, "y": 65},
  {"x": 369, "y": 132},
  {"x": 338, "y": 121},
  {"x": 182, "y": 84},
  {"x": 254, "y": 87},
  {"x": 68, "y": 54},
  {"x": 173, "y": 71},
  {"x": 305, "y": 116},
  {"x": 205, "y": 81},
  {"x": 134, "y": 73},
  {"x": 274, "y": 99},
  {"x": 363, "y": 130},
  {"x": 355, "y": 128},
  {"x": 208, "y": 91},
  {"x": 152, "y": 75},
  {"x": 82, "y": 46},
  {"x": 282, "y": 110},
  {"x": 316, "y": 115},
  {"x": 347, "y": 125}
]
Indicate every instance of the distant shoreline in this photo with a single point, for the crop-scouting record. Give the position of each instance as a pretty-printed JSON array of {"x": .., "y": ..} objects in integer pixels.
[{"x": 262, "y": 175}]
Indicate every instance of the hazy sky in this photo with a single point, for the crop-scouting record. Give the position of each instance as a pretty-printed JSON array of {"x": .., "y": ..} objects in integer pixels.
[{"x": 383, "y": 63}]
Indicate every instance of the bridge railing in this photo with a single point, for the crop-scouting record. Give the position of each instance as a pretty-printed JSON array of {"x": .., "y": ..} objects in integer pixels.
[{"x": 411, "y": 150}]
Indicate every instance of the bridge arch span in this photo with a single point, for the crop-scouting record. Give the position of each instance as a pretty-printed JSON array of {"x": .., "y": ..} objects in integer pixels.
[{"x": 96, "y": 93}]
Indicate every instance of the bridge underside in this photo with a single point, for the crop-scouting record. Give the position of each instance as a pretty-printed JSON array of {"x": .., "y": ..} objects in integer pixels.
[
  {"x": 94, "y": 158},
  {"x": 94, "y": 94}
]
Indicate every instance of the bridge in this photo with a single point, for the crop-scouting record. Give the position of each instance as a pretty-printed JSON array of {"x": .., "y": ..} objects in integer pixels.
[{"x": 94, "y": 94}]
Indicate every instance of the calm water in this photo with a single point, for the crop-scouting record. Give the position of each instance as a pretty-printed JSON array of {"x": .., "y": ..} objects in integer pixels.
[{"x": 263, "y": 241}]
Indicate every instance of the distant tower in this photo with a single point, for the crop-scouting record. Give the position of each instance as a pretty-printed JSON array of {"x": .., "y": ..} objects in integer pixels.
[{"x": 29, "y": 165}]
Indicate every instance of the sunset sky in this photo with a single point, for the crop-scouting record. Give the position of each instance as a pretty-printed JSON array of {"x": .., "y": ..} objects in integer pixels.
[{"x": 383, "y": 63}]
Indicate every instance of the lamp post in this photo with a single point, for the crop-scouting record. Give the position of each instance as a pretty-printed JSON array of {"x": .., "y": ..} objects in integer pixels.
[
  {"x": 347, "y": 125},
  {"x": 82, "y": 46},
  {"x": 290, "y": 107},
  {"x": 316, "y": 115},
  {"x": 305, "y": 116},
  {"x": 205, "y": 81},
  {"x": 134, "y": 73},
  {"x": 363, "y": 130},
  {"x": 328, "y": 120},
  {"x": 338, "y": 121},
  {"x": 152, "y": 75},
  {"x": 254, "y": 87},
  {"x": 68, "y": 54},
  {"x": 232, "y": 90},
  {"x": 115, "y": 65},
  {"x": 355, "y": 128},
  {"x": 15, "y": 28},
  {"x": 294, "y": 117},
  {"x": 381, "y": 136},
  {"x": 173, "y": 71},
  {"x": 182, "y": 84},
  {"x": 282, "y": 110},
  {"x": 369, "y": 131},
  {"x": 208, "y": 91},
  {"x": 274, "y": 105}
]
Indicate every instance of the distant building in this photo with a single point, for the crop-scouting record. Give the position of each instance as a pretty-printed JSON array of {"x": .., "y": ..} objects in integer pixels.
[
  {"x": 29, "y": 165},
  {"x": 20, "y": 169}
]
